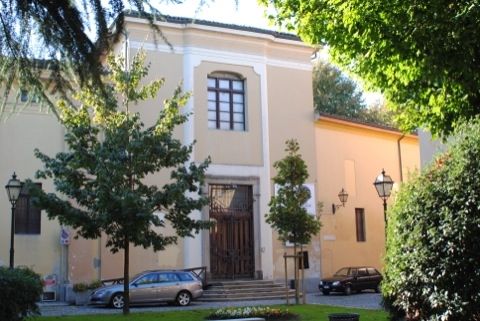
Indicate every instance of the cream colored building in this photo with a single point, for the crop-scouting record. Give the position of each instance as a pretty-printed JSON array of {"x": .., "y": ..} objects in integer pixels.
[{"x": 251, "y": 92}]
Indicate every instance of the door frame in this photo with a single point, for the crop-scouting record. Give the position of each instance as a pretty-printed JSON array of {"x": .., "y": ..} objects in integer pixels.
[{"x": 235, "y": 180}]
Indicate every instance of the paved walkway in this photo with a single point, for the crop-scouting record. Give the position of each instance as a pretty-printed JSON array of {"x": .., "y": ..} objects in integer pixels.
[{"x": 363, "y": 300}]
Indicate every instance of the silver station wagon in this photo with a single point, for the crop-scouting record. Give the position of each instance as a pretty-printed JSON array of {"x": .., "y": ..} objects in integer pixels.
[{"x": 150, "y": 287}]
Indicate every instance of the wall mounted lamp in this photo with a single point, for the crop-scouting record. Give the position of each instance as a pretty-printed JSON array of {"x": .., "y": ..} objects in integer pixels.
[{"x": 342, "y": 196}]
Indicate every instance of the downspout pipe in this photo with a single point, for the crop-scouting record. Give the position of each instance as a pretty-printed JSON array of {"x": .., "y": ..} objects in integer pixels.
[{"x": 399, "y": 148}]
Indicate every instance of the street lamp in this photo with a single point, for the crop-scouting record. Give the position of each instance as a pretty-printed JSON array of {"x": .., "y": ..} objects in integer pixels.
[
  {"x": 13, "y": 187},
  {"x": 383, "y": 184},
  {"x": 342, "y": 196}
]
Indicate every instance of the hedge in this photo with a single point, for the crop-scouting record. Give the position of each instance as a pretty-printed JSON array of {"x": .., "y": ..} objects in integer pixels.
[
  {"x": 20, "y": 289},
  {"x": 432, "y": 264}
]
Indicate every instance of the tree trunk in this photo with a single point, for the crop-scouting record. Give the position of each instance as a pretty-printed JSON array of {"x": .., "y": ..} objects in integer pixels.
[
  {"x": 302, "y": 266},
  {"x": 126, "y": 278},
  {"x": 295, "y": 272}
]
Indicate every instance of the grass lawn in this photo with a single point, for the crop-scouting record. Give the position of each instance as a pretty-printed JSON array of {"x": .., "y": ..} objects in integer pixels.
[{"x": 307, "y": 313}]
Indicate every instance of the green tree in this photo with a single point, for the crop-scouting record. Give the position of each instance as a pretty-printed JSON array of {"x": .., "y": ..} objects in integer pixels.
[
  {"x": 432, "y": 262},
  {"x": 287, "y": 214},
  {"x": 378, "y": 113},
  {"x": 422, "y": 55},
  {"x": 334, "y": 93},
  {"x": 110, "y": 152}
]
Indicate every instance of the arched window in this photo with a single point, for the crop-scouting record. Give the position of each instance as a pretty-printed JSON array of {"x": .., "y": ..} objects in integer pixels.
[{"x": 226, "y": 101}]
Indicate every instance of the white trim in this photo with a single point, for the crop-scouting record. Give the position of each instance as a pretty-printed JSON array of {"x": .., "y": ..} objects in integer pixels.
[
  {"x": 222, "y": 56},
  {"x": 192, "y": 246},
  {"x": 265, "y": 182},
  {"x": 234, "y": 170}
]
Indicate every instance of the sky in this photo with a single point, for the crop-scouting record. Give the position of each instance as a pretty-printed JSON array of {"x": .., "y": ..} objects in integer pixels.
[{"x": 247, "y": 13}]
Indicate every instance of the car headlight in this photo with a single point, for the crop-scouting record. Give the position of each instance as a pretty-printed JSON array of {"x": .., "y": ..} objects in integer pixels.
[
  {"x": 321, "y": 283},
  {"x": 336, "y": 283}
]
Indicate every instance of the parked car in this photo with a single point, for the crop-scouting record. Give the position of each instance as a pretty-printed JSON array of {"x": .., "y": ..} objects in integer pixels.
[
  {"x": 350, "y": 279},
  {"x": 148, "y": 287}
]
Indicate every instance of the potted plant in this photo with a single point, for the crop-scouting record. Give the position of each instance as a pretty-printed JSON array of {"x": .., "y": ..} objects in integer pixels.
[{"x": 82, "y": 291}]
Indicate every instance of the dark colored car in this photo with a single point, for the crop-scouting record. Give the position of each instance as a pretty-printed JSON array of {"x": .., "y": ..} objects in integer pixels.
[
  {"x": 350, "y": 279},
  {"x": 148, "y": 287}
]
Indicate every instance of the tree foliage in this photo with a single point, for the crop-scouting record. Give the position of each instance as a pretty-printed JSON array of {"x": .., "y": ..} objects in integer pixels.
[
  {"x": 422, "y": 55},
  {"x": 432, "y": 267},
  {"x": 379, "y": 113},
  {"x": 110, "y": 153},
  {"x": 334, "y": 93},
  {"x": 61, "y": 41},
  {"x": 287, "y": 214}
]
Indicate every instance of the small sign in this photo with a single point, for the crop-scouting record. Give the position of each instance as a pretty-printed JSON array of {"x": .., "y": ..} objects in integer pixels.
[
  {"x": 64, "y": 236},
  {"x": 309, "y": 206},
  {"x": 49, "y": 287}
]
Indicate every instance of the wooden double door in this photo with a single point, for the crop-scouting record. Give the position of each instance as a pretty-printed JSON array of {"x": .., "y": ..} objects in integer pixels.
[{"x": 231, "y": 239}]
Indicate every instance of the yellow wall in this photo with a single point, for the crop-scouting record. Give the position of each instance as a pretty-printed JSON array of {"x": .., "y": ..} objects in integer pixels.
[
  {"x": 20, "y": 134},
  {"x": 227, "y": 146},
  {"x": 351, "y": 156},
  {"x": 291, "y": 116}
]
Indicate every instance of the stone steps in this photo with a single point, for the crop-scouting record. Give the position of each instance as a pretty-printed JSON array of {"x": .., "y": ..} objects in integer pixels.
[{"x": 245, "y": 291}]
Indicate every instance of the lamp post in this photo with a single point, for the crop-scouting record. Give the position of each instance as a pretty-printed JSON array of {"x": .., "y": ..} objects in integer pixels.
[
  {"x": 13, "y": 187},
  {"x": 342, "y": 196},
  {"x": 383, "y": 184}
]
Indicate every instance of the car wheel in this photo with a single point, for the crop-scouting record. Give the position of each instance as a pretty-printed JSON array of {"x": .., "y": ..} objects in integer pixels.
[
  {"x": 325, "y": 292},
  {"x": 184, "y": 298},
  {"x": 117, "y": 301},
  {"x": 348, "y": 290}
]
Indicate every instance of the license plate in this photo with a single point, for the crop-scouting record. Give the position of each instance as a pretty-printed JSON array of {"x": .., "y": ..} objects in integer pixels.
[{"x": 326, "y": 287}]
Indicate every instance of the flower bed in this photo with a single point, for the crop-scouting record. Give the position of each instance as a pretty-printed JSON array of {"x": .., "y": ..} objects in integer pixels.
[{"x": 269, "y": 314}]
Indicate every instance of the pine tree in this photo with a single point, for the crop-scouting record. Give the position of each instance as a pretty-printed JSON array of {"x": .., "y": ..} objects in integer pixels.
[{"x": 61, "y": 41}]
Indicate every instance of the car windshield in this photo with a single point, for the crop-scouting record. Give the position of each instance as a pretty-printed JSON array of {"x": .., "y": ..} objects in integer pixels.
[
  {"x": 136, "y": 276},
  {"x": 342, "y": 272}
]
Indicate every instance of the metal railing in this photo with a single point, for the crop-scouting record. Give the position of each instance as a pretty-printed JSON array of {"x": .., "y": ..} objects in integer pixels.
[{"x": 201, "y": 273}]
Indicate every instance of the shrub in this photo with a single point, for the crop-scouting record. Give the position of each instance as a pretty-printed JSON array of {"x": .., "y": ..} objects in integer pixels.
[
  {"x": 432, "y": 264},
  {"x": 20, "y": 289},
  {"x": 270, "y": 314}
]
